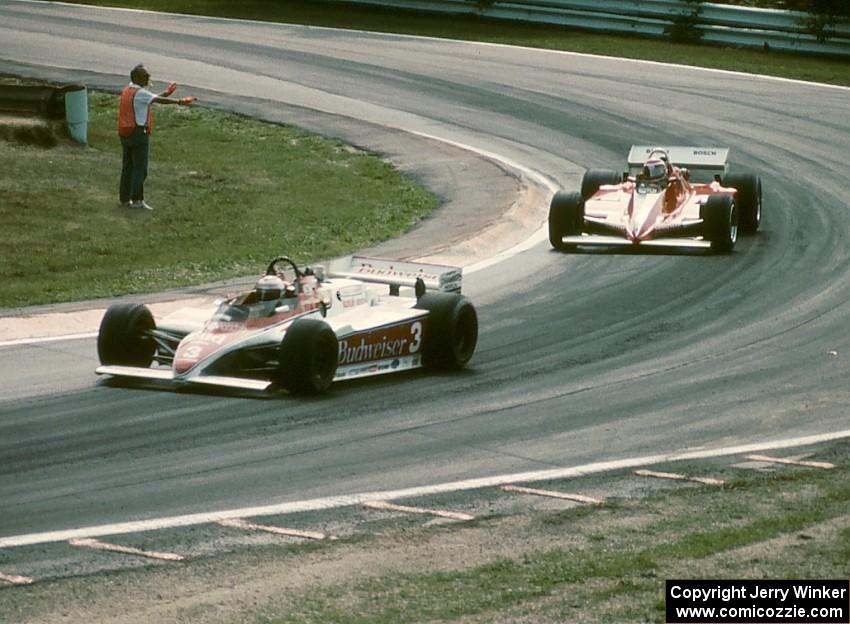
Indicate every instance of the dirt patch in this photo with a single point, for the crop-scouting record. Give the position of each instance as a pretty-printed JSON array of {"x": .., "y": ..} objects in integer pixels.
[{"x": 34, "y": 131}]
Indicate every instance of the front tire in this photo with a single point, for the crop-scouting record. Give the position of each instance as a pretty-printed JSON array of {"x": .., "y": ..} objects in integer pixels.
[
  {"x": 748, "y": 200},
  {"x": 720, "y": 218},
  {"x": 594, "y": 178},
  {"x": 452, "y": 330},
  {"x": 307, "y": 357},
  {"x": 124, "y": 336},
  {"x": 566, "y": 218}
]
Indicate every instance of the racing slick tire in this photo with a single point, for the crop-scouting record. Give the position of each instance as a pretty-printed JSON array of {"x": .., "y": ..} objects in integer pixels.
[
  {"x": 124, "y": 335},
  {"x": 566, "y": 218},
  {"x": 748, "y": 200},
  {"x": 594, "y": 178},
  {"x": 452, "y": 330},
  {"x": 720, "y": 218},
  {"x": 307, "y": 357}
]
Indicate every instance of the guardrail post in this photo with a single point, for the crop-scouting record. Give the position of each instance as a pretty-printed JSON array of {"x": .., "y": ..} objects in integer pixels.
[{"x": 77, "y": 112}]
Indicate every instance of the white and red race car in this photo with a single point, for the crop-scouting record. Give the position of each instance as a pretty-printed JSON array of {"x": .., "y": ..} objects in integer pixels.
[
  {"x": 301, "y": 329},
  {"x": 658, "y": 202}
]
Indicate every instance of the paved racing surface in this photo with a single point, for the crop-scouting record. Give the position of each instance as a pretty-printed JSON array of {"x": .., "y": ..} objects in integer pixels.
[{"x": 582, "y": 357}]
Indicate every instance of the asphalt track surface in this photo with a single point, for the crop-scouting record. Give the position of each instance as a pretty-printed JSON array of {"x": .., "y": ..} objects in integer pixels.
[{"x": 582, "y": 357}]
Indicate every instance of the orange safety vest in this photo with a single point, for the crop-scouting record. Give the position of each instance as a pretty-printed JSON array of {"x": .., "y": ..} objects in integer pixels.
[{"x": 127, "y": 114}]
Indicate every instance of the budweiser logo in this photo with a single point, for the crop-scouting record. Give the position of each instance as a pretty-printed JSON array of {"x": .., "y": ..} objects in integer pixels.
[
  {"x": 365, "y": 351},
  {"x": 391, "y": 271}
]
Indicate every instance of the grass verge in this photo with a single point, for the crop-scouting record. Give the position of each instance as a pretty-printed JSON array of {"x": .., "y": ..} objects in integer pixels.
[{"x": 229, "y": 194}]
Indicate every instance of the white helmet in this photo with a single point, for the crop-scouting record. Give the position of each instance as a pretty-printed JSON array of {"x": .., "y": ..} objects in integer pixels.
[
  {"x": 270, "y": 288},
  {"x": 654, "y": 170}
]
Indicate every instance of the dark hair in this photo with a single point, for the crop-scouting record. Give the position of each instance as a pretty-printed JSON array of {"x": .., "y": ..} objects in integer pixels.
[{"x": 137, "y": 71}]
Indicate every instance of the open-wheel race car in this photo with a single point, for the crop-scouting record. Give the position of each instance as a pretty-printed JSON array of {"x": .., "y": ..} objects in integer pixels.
[
  {"x": 300, "y": 329},
  {"x": 659, "y": 202}
]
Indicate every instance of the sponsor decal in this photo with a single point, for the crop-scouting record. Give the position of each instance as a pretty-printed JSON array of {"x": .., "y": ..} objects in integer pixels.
[
  {"x": 224, "y": 327},
  {"x": 391, "y": 271},
  {"x": 386, "y": 343},
  {"x": 451, "y": 281},
  {"x": 352, "y": 352},
  {"x": 351, "y": 296},
  {"x": 403, "y": 363}
]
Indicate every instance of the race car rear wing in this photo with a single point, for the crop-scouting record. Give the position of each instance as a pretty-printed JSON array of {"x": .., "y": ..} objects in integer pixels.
[
  {"x": 396, "y": 273},
  {"x": 706, "y": 160}
]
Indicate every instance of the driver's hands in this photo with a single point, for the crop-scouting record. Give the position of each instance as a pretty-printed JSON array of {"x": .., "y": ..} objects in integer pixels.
[
  {"x": 171, "y": 88},
  {"x": 186, "y": 101}
]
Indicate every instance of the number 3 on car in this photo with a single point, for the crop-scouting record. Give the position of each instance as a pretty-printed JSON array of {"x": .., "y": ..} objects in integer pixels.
[{"x": 416, "y": 333}]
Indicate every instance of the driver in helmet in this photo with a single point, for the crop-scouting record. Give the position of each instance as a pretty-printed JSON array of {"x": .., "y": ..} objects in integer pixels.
[
  {"x": 655, "y": 172},
  {"x": 267, "y": 295},
  {"x": 269, "y": 288}
]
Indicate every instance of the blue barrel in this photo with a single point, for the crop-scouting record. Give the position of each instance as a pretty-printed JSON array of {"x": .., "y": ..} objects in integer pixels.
[{"x": 77, "y": 112}]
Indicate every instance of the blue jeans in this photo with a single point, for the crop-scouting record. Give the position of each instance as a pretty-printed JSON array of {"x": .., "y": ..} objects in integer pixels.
[{"x": 134, "y": 166}]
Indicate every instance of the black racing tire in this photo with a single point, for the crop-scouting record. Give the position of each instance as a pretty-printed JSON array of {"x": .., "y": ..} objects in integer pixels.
[
  {"x": 307, "y": 357},
  {"x": 594, "y": 178},
  {"x": 124, "y": 336},
  {"x": 452, "y": 330},
  {"x": 720, "y": 220},
  {"x": 566, "y": 218},
  {"x": 748, "y": 200}
]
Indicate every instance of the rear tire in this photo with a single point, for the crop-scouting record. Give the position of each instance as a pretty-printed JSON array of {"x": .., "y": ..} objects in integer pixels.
[
  {"x": 566, "y": 218},
  {"x": 720, "y": 218},
  {"x": 124, "y": 336},
  {"x": 452, "y": 330},
  {"x": 307, "y": 357},
  {"x": 748, "y": 200},
  {"x": 594, "y": 178}
]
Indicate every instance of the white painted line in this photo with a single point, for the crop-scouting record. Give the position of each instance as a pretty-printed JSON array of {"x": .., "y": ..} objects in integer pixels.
[
  {"x": 794, "y": 462},
  {"x": 29, "y": 341},
  {"x": 237, "y": 523},
  {"x": 14, "y": 579},
  {"x": 454, "y": 515},
  {"x": 578, "y": 498},
  {"x": 124, "y": 550},
  {"x": 346, "y": 500},
  {"x": 678, "y": 477}
]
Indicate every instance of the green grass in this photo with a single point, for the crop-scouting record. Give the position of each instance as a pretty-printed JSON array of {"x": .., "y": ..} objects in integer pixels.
[{"x": 229, "y": 194}]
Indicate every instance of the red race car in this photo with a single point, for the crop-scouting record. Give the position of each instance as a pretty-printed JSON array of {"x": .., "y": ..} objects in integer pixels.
[{"x": 659, "y": 202}]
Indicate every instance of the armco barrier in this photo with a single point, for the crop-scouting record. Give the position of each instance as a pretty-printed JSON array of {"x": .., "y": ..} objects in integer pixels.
[
  {"x": 47, "y": 102},
  {"x": 723, "y": 24},
  {"x": 68, "y": 102}
]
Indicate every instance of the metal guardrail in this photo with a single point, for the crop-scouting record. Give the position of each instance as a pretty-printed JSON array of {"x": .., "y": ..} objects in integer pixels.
[
  {"x": 723, "y": 24},
  {"x": 69, "y": 102},
  {"x": 47, "y": 102}
]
